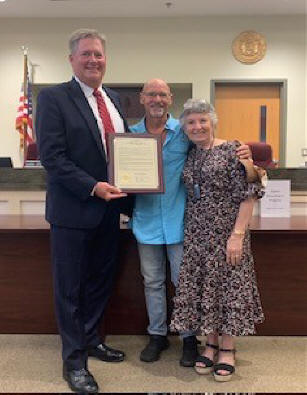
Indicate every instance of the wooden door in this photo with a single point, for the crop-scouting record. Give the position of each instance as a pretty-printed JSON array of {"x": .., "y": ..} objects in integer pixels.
[{"x": 238, "y": 108}]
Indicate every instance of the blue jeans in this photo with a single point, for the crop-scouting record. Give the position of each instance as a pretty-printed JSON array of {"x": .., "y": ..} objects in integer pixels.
[{"x": 153, "y": 269}]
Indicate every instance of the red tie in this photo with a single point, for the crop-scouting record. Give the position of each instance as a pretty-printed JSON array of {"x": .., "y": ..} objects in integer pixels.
[{"x": 103, "y": 112}]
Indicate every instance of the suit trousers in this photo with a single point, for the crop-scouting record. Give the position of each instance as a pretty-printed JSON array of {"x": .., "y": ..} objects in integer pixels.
[{"x": 84, "y": 263}]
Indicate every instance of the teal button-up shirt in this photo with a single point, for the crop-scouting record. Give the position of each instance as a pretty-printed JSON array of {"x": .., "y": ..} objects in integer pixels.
[{"x": 158, "y": 218}]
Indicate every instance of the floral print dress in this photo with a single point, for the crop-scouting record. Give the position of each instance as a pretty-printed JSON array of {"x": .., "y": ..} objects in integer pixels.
[{"x": 212, "y": 295}]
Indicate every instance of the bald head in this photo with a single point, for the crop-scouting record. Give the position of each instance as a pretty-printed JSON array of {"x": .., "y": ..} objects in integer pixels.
[
  {"x": 154, "y": 83},
  {"x": 156, "y": 97}
]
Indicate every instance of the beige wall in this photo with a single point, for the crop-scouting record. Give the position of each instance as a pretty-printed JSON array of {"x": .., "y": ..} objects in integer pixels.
[
  {"x": 191, "y": 50},
  {"x": 305, "y": 159}
]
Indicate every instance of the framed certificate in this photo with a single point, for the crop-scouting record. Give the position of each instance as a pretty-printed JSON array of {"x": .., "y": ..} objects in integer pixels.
[{"x": 135, "y": 162}]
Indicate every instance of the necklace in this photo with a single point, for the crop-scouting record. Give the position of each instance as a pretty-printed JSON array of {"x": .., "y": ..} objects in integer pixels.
[{"x": 196, "y": 182}]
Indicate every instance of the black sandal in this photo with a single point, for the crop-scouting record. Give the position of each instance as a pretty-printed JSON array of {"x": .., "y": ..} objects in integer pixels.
[
  {"x": 224, "y": 366},
  {"x": 208, "y": 363}
]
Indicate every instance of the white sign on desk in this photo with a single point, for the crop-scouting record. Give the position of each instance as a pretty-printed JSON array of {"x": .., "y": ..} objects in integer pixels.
[{"x": 276, "y": 201}]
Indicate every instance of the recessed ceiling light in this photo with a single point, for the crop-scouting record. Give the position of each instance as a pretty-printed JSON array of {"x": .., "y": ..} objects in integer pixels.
[{"x": 2, "y": 1}]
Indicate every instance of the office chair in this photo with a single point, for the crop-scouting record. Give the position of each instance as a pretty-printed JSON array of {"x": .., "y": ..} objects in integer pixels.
[
  {"x": 6, "y": 162},
  {"x": 262, "y": 154}
]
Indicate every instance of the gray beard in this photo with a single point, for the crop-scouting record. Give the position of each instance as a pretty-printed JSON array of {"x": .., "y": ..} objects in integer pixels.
[{"x": 157, "y": 113}]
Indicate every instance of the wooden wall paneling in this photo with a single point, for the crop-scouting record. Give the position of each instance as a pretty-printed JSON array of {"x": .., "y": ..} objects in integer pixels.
[
  {"x": 281, "y": 264},
  {"x": 26, "y": 300},
  {"x": 26, "y": 297}
]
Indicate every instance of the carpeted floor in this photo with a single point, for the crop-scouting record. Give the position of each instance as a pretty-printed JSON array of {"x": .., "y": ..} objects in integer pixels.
[{"x": 31, "y": 363}]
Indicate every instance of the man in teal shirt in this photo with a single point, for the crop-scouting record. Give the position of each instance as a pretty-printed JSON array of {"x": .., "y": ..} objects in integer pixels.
[{"x": 157, "y": 221}]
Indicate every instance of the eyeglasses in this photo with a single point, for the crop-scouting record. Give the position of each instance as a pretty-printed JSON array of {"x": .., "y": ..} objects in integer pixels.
[{"x": 163, "y": 95}]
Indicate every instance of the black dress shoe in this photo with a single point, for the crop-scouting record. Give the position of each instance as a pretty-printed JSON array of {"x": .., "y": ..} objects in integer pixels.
[
  {"x": 106, "y": 354},
  {"x": 152, "y": 351},
  {"x": 80, "y": 381}
]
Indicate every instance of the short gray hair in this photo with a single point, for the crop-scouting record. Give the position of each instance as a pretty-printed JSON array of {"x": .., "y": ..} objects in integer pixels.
[
  {"x": 80, "y": 34},
  {"x": 199, "y": 106}
]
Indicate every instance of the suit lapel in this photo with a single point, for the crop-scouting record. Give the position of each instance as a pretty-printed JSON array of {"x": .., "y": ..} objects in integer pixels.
[
  {"x": 114, "y": 100},
  {"x": 81, "y": 102}
]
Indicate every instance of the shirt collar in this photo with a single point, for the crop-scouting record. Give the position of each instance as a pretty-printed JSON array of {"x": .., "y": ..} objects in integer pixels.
[
  {"x": 87, "y": 90},
  {"x": 170, "y": 125}
]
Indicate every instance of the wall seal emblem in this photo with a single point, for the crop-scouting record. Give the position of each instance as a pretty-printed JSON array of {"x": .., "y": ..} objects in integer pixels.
[{"x": 249, "y": 47}]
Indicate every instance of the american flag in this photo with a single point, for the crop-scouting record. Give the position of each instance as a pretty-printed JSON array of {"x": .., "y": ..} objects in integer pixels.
[{"x": 24, "y": 122}]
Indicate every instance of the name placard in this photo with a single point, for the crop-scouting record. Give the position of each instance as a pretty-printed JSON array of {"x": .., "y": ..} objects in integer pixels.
[{"x": 276, "y": 201}]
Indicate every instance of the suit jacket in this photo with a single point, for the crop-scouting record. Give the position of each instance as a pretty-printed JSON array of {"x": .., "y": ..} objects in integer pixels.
[{"x": 71, "y": 151}]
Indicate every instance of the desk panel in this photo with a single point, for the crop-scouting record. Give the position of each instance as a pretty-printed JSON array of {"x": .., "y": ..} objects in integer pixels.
[{"x": 26, "y": 300}]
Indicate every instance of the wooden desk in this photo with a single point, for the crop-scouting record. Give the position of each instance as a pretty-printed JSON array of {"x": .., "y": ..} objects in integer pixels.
[
  {"x": 26, "y": 297},
  {"x": 26, "y": 301},
  {"x": 280, "y": 251}
]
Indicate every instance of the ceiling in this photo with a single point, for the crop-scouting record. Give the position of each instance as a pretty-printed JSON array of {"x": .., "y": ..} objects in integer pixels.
[{"x": 147, "y": 8}]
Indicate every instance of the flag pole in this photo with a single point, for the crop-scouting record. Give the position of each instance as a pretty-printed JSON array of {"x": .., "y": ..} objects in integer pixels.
[{"x": 25, "y": 94}]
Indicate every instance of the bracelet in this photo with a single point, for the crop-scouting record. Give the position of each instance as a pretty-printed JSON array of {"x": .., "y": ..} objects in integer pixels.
[{"x": 238, "y": 232}]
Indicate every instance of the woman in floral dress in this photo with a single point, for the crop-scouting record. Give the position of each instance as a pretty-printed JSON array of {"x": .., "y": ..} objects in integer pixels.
[{"x": 217, "y": 294}]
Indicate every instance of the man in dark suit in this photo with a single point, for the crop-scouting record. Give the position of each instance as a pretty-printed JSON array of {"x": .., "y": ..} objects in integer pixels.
[{"x": 82, "y": 208}]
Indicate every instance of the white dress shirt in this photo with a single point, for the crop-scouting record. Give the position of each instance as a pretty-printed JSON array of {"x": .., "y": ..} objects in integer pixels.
[{"x": 114, "y": 114}]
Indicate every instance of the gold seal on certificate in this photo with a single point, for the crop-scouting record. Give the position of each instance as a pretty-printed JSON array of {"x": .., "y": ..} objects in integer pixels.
[{"x": 135, "y": 162}]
